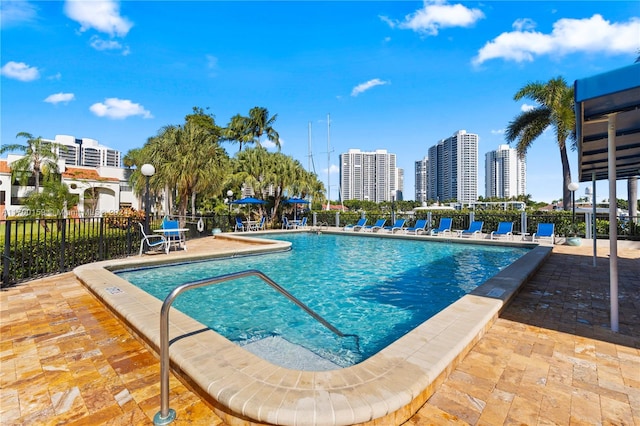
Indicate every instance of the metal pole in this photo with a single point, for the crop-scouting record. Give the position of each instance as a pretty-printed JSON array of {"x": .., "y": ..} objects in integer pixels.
[
  {"x": 573, "y": 201},
  {"x": 613, "y": 223},
  {"x": 147, "y": 227},
  {"x": 595, "y": 225}
]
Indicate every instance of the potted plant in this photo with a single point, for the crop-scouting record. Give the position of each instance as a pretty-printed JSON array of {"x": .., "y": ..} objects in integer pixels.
[{"x": 573, "y": 236}]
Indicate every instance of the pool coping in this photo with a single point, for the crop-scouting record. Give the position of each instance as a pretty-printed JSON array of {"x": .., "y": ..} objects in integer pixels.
[{"x": 242, "y": 388}]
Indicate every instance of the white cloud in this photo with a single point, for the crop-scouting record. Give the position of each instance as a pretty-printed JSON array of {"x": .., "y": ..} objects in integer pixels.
[
  {"x": 212, "y": 65},
  {"x": 527, "y": 107},
  {"x": 16, "y": 12},
  {"x": 100, "y": 44},
  {"x": 333, "y": 170},
  {"x": 270, "y": 145},
  {"x": 592, "y": 35},
  {"x": 102, "y": 16},
  {"x": 437, "y": 14},
  {"x": 524, "y": 24},
  {"x": 362, "y": 87},
  {"x": 20, "y": 71},
  {"x": 498, "y": 132},
  {"x": 60, "y": 97},
  {"x": 119, "y": 109}
]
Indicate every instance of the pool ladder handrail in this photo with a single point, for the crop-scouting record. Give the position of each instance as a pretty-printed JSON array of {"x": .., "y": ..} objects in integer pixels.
[{"x": 167, "y": 415}]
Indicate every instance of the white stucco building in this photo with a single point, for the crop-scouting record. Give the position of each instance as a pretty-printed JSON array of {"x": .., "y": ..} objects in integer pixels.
[{"x": 90, "y": 170}]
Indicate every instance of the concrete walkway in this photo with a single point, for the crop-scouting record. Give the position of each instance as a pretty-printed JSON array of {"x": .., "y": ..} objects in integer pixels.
[{"x": 549, "y": 359}]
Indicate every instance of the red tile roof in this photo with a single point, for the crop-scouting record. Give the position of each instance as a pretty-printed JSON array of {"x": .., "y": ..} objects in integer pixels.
[
  {"x": 4, "y": 167},
  {"x": 88, "y": 174}
]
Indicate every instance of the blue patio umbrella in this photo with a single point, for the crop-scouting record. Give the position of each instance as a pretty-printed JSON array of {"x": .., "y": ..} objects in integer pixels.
[
  {"x": 296, "y": 201},
  {"x": 249, "y": 201}
]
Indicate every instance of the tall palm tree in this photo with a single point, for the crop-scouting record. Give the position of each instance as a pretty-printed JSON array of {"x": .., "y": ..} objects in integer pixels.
[
  {"x": 238, "y": 130},
  {"x": 39, "y": 156},
  {"x": 555, "y": 109},
  {"x": 188, "y": 159},
  {"x": 261, "y": 124}
]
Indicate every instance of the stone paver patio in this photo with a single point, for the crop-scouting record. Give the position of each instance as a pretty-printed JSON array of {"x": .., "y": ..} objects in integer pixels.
[{"x": 549, "y": 359}]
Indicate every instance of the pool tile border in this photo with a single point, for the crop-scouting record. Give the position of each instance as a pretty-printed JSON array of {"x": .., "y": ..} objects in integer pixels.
[{"x": 245, "y": 389}]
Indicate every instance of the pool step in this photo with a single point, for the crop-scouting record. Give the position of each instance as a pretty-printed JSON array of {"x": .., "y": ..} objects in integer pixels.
[{"x": 281, "y": 352}]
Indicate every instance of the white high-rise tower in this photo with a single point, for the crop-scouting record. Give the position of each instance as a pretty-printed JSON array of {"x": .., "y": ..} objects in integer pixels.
[
  {"x": 368, "y": 176},
  {"x": 505, "y": 173}
]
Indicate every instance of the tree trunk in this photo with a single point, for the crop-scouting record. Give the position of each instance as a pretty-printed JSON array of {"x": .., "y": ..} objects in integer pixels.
[
  {"x": 193, "y": 205},
  {"x": 632, "y": 190},
  {"x": 566, "y": 178}
]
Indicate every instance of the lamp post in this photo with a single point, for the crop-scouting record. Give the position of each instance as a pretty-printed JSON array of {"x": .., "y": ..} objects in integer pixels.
[
  {"x": 229, "y": 200},
  {"x": 573, "y": 187},
  {"x": 147, "y": 171},
  {"x": 393, "y": 208}
]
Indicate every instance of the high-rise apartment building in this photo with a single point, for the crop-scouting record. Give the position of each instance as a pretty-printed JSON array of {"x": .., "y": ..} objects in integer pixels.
[
  {"x": 452, "y": 170},
  {"x": 422, "y": 179},
  {"x": 399, "y": 184},
  {"x": 505, "y": 173},
  {"x": 86, "y": 152},
  {"x": 368, "y": 176}
]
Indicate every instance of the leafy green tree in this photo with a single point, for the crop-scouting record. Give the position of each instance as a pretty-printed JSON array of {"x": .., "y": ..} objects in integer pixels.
[
  {"x": 274, "y": 173},
  {"x": 261, "y": 124},
  {"x": 53, "y": 200},
  {"x": 39, "y": 157},
  {"x": 188, "y": 160},
  {"x": 237, "y": 131},
  {"x": 555, "y": 108},
  {"x": 249, "y": 130}
]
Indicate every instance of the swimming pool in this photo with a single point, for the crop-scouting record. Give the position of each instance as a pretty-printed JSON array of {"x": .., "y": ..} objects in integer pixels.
[
  {"x": 376, "y": 288},
  {"x": 387, "y": 388}
]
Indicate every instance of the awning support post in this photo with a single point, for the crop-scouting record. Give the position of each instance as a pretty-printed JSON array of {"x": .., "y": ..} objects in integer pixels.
[{"x": 613, "y": 222}]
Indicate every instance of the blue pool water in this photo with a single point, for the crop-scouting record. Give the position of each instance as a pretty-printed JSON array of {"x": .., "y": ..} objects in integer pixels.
[{"x": 376, "y": 288}]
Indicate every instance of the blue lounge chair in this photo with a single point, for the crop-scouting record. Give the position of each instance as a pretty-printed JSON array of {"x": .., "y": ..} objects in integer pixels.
[
  {"x": 260, "y": 225},
  {"x": 359, "y": 225},
  {"x": 546, "y": 231},
  {"x": 302, "y": 224},
  {"x": 239, "y": 225},
  {"x": 397, "y": 226},
  {"x": 175, "y": 238},
  {"x": 444, "y": 228},
  {"x": 154, "y": 241},
  {"x": 286, "y": 224},
  {"x": 475, "y": 228},
  {"x": 505, "y": 229},
  {"x": 419, "y": 227},
  {"x": 376, "y": 226}
]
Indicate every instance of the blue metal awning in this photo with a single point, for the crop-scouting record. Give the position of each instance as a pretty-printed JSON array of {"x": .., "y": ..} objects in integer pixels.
[
  {"x": 597, "y": 98},
  {"x": 608, "y": 136}
]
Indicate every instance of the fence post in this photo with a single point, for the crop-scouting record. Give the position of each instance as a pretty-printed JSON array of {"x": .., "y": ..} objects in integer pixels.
[
  {"x": 101, "y": 239},
  {"x": 338, "y": 219},
  {"x": 128, "y": 235},
  {"x": 63, "y": 243},
  {"x": 6, "y": 259}
]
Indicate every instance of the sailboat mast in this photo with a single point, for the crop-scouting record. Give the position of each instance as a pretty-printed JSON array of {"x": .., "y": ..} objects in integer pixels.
[{"x": 328, "y": 162}]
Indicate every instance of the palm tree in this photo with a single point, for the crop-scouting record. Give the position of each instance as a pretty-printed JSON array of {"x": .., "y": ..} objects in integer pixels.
[
  {"x": 238, "y": 130},
  {"x": 189, "y": 160},
  {"x": 556, "y": 109},
  {"x": 39, "y": 156},
  {"x": 261, "y": 124}
]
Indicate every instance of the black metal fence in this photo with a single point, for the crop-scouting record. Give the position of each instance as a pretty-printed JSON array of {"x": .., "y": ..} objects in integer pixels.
[
  {"x": 39, "y": 247},
  {"x": 628, "y": 228}
]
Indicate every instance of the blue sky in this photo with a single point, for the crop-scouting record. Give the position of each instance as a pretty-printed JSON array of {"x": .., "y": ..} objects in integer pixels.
[{"x": 395, "y": 75}]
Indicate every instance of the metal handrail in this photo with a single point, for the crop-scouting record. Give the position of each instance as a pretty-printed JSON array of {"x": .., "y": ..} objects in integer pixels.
[{"x": 166, "y": 415}]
